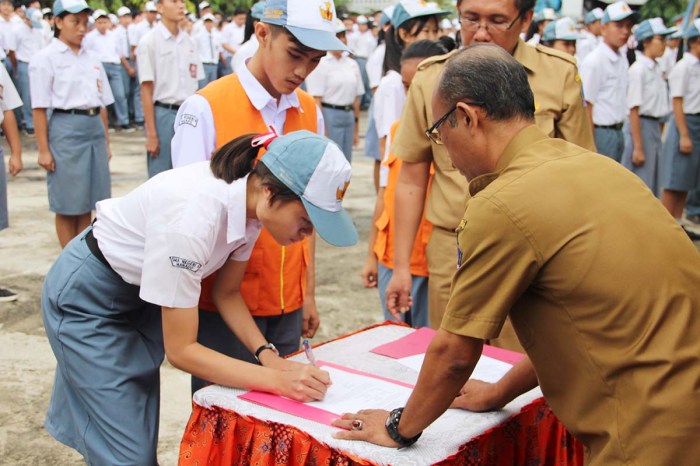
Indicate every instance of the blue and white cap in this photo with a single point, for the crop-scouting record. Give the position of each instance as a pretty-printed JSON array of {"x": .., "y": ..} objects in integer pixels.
[
  {"x": 409, "y": 9},
  {"x": 339, "y": 26},
  {"x": 693, "y": 29},
  {"x": 123, "y": 11},
  {"x": 315, "y": 169},
  {"x": 547, "y": 14},
  {"x": 257, "y": 10},
  {"x": 385, "y": 17},
  {"x": 650, "y": 28},
  {"x": 99, "y": 13},
  {"x": 561, "y": 29},
  {"x": 310, "y": 21},
  {"x": 35, "y": 17},
  {"x": 618, "y": 11},
  {"x": 676, "y": 33},
  {"x": 70, "y": 6},
  {"x": 596, "y": 14}
]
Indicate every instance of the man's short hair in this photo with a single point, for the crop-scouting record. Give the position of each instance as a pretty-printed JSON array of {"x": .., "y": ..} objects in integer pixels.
[{"x": 486, "y": 73}]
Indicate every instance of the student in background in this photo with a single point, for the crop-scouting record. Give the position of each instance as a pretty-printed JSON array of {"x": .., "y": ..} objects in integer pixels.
[
  {"x": 232, "y": 38},
  {"x": 9, "y": 100},
  {"x": 362, "y": 43},
  {"x": 74, "y": 143},
  {"x": 136, "y": 32},
  {"x": 590, "y": 35},
  {"x": 208, "y": 44},
  {"x": 251, "y": 44},
  {"x": 561, "y": 35},
  {"x": 670, "y": 55},
  {"x": 128, "y": 67},
  {"x": 539, "y": 23},
  {"x": 169, "y": 71},
  {"x": 647, "y": 100},
  {"x": 337, "y": 86},
  {"x": 681, "y": 149}
]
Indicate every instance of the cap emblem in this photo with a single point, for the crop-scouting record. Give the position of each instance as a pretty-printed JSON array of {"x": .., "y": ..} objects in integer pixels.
[
  {"x": 340, "y": 193},
  {"x": 327, "y": 11}
]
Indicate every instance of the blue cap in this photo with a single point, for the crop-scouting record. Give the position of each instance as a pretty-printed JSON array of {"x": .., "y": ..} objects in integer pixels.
[
  {"x": 650, "y": 28},
  {"x": 561, "y": 29},
  {"x": 409, "y": 9},
  {"x": 70, "y": 6},
  {"x": 619, "y": 11},
  {"x": 693, "y": 29},
  {"x": 316, "y": 170},
  {"x": 310, "y": 21},
  {"x": 596, "y": 14},
  {"x": 676, "y": 34},
  {"x": 257, "y": 10},
  {"x": 35, "y": 17},
  {"x": 385, "y": 17}
]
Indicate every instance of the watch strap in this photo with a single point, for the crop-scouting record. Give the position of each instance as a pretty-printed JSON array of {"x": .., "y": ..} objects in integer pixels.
[
  {"x": 264, "y": 347},
  {"x": 392, "y": 428}
]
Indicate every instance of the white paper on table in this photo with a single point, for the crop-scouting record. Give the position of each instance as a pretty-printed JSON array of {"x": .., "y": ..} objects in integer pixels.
[
  {"x": 350, "y": 393},
  {"x": 487, "y": 369}
]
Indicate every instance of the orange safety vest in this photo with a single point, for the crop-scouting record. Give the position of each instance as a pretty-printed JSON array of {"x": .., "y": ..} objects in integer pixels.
[
  {"x": 384, "y": 246},
  {"x": 275, "y": 279}
]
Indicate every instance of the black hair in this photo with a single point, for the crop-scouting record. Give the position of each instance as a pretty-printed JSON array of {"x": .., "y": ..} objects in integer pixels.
[
  {"x": 249, "y": 30},
  {"x": 487, "y": 74},
  {"x": 423, "y": 49},
  {"x": 532, "y": 29},
  {"x": 448, "y": 42},
  {"x": 394, "y": 44},
  {"x": 239, "y": 11},
  {"x": 238, "y": 158},
  {"x": 521, "y": 5}
]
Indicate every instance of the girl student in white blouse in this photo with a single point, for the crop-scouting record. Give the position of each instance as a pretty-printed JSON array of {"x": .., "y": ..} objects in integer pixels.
[
  {"x": 126, "y": 290},
  {"x": 74, "y": 143}
]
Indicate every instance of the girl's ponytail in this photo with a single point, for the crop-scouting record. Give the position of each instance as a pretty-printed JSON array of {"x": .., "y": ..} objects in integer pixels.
[{"x": 235, "y": 159}]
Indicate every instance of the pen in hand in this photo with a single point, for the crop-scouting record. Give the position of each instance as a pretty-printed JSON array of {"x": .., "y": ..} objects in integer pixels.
[{"x": 309, "y": 352}]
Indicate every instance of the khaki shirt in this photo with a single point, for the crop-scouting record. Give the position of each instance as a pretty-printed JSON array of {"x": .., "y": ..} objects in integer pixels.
[
  {"x": 603, "y": 289},
  {"x": 559, "y": 112}
]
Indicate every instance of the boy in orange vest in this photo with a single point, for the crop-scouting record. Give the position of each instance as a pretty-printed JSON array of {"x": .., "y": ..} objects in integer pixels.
[{"x": 278, "y": 286}]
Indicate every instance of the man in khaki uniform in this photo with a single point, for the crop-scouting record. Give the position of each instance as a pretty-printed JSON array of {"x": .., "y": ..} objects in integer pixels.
[
  {"x": 604, "y": 298},
  {"x": 559, "y": 112}
]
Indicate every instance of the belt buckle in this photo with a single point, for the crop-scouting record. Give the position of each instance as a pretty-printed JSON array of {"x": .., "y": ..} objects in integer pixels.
[{"x": 92, "y": 111}]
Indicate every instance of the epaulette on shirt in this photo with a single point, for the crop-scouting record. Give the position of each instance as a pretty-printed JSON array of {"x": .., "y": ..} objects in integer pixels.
[
  {"x": 436, "y": 59},
  {"x": 556, "y": 53}
]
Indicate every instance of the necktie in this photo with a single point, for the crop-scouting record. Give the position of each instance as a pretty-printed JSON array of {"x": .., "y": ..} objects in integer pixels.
[{"x": 211, "y": 47}]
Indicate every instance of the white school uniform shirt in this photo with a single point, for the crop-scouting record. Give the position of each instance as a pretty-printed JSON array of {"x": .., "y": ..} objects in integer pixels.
[
  {"x": 647, "y": 88},
  {"x": 9, "y": 97},
  {"x": 245, "y": 52},
  {"x": 208, "y": 46},
  {"x": 195, "y": 133},
  {"x": 684, "y": 82},
  {"x": 138, "y": 30},
  {"x": 362, "y": 44},
  {"x": 59, "y": 78},
  {"x": 105, "y": 46},
  {"x": 604, "y": 80},
  {"x": 121, "y": 36},
  {"x": 171, "y": 63},
  {"x": 175, "y": 230},
  {"x": 337, "y": 81},
  {"x": 667, "y": 60},
  {"x": 28, "y": 41},
  {"x": 7, "y": 36},
  {"x": 375, "y": 65},
  {"x": 388, "y": 102},
  {"x": 586, "y": 44},
  {"x": 233, "y": 36}
]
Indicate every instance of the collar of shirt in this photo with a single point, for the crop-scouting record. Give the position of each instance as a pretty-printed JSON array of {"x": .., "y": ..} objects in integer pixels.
[
  {"x": 526, "y": 55},
  {"x": 259, "y": 96},
  {"x": 62, "y": 47},
  {"x": 610, "y": 53},
  {"x": 167, "y": 35},
  {"x": 524, "y": 138},
  {"x": 648, "y": 62},
  {"x": 692, "y": 59}
]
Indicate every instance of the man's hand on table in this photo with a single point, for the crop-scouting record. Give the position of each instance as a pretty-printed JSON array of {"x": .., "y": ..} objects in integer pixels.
[
  {"x": 373, "y": 427},
  {"x": 478, "y": 396}
]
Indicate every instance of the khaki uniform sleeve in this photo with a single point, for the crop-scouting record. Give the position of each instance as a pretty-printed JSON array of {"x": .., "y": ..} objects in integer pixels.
[
  {"x": 574, "y": 125},
  {"x": 411, "y": 144},
  {"x": 498, "y": 264}
]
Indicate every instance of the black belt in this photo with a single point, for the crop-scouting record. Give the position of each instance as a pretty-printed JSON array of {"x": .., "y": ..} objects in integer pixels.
[
  {"x": 79, "y": 111},
  {"x": 648, "y": 117},
  {"x": 616, "y": 126},
  {"x": 95, "y": 249},
  {"x": 346, "y": 108},
  {"x": 210, "y": 63},
  {"x": 158, "y": 103}
]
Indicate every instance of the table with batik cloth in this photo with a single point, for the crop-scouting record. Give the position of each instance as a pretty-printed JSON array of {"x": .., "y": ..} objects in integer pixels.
[{"x": 225, "y": 430}]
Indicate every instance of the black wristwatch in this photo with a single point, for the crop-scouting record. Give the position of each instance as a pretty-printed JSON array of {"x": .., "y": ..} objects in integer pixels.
[
  {"x": 269, "y": 346},
  {"x": 392, "y": 428}
]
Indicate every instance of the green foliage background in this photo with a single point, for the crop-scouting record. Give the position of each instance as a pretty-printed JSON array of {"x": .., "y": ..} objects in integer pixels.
[{"x": 666, "y": 9}]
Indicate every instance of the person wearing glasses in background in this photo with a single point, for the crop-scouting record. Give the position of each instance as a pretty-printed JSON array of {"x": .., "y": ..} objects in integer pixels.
[{"x": 559, "y": 112}]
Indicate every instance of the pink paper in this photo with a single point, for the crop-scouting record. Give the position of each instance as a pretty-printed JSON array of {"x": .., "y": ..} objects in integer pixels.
[
  {"x": 414, "y": 343},
  {"x": 304, "y": 410}
]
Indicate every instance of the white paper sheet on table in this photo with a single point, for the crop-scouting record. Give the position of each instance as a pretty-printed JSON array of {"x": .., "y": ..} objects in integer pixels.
[
  {"x": 350, "y": 393},
  {"x": 487, "y": 369}
]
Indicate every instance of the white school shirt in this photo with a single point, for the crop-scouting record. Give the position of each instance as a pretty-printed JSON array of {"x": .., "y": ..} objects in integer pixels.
[
  {"x": 138, "y": 30},
  {"x": 171, "y": 63},
  {"x": 586, "y": 44},
  {"x": 233, "y": 36},
  {"x": 684, "y": 82},
  {"x": 337, "y": 81},
  {"x": 105, "y": 46},
  {"x": 647, "y": 88},
  {"x": 9, "y": 97},
  {"x": 121, "y": 36},
  {"x": 388, "y": 102},
  {"x": 604, "y": 80},
  {"x": 245, "y": 52},
  {"x": 7, "y": 36},
  {"x": 208, "y": 46},
  {"x": 362, "y": 44},
  {"x": 667, "y": 60},
  {"x": 195, "y": 133},
  {"x": 28, "y": 41},
  {"x": 175, "y": 230},
  {"x": 58, "y": 78},
  {"x": 375, "y": 65}
]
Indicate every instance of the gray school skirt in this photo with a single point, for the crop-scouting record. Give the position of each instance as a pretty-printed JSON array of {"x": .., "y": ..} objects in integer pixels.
[
  {"x": 108, "y": 345},
  {"x": 79, "y": 148},
  {"x": 681, "y": 172}
]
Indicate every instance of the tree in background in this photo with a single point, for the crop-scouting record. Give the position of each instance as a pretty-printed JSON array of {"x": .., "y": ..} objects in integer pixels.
[
  {"x": 666, "y": 9},
  {"x": 224, "y": 6}
]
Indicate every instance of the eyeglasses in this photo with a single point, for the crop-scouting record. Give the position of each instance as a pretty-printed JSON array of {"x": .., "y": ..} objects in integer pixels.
[
  {"x": 433, "y": 134},
  {"x": 472, "y": 26}
]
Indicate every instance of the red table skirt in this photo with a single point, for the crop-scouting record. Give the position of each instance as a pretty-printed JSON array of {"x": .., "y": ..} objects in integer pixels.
[{"x": 220, "y": 437}]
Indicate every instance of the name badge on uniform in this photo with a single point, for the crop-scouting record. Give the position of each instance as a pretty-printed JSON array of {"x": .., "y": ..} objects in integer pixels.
[
  {"x": 99, "y": 86},
  {"x": 193, "y": 70},
  {"x": 458, "y": 230}
]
